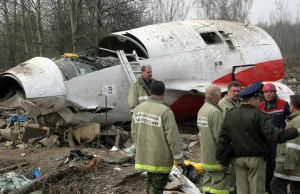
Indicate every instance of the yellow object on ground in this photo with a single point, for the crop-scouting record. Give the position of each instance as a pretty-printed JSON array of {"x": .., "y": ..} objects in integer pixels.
[
  {"x": 71, "y": 55},
  {"x": 198, "y": 166}
]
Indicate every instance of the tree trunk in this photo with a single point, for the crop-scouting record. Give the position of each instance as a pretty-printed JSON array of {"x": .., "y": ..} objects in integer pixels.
[
  {"x": 9, "y": 38},
  {"x": 15, "y": 28},
  {"x": 33, "y": 41},
  {"x": 39, "y": 27},
  {"x": 75, "y": 14},
  {"x": 23, "y": 27},
  {"x": 61, "y": 26}
]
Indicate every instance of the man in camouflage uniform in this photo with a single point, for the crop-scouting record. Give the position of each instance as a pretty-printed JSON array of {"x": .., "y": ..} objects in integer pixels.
[
  {"x": 140, "y": 90},
  {"x": 231, "y": 100},
  {"x": 228, "y": 102},
  {"x": 156, "y": 137},
  {"x": 209, "y": 123},
  {"x": 288, "y": 156}
]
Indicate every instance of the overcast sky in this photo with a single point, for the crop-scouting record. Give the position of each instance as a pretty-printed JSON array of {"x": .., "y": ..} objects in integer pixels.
[{"x": 261, "y": 9}]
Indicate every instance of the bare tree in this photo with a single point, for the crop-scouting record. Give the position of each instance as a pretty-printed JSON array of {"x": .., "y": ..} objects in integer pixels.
[
  {"x": 39, "y": 26},
  {"x": 281, "y": 25},
  {"x": 168, "y": 10},
  {"x": 233, "y": 10},
  {"x": 51, "y": 27},
  {"x": 8, "y": 32},
  {"x": 76, "y": 10},
  {"x": 23, "y": 27},
  {"x": 284, "y": 30}
]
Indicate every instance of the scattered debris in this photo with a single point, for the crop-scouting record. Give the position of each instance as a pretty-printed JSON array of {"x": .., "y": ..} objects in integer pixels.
[
  {"x": 74, "y": 154},
  {"x": 11, "y": 181},
  {"x": 8, "y": 144},
  {"x": 75, "y": 165},
  {"x": 35, "y": 173},
  {"x": 22, "y": 146},
  {"x": 17, "y": 118},
  {"x": 38, "y": 183},
  {"x": 189, "y": 137},
  {"x": 33, "y": 130},
  {"x": 131, "y": 149},
  {"x": 114, "y": 149},
  {"x": 172, "y": 185},
  {"x": 128, "y": 159},
  {"x": 144, "y": 174},
  {"x": 59, "y": 158},
  {"x": 192, "y": 146},
  {"x": 118, "y": 169},
  {"x": 86, "y": 132},
  {"x": 185, "y": 184},
  {"x": 50, "y": 142}
]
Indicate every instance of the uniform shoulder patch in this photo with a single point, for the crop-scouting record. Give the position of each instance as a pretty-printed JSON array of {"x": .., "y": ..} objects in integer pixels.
[{"x": 202, "y": 122}]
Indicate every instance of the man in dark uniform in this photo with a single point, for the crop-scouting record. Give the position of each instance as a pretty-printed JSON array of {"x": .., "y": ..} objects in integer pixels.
[{"x": 249, "y": 129}]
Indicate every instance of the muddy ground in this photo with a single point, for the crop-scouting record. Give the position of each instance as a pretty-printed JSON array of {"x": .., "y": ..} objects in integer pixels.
[{"x": 102, "y": 178}]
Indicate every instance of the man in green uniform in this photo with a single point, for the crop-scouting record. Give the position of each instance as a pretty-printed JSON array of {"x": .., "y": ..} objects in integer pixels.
[
  {"x": 209, "y": 123},
  {"x": 288, "y": 156},
  {"x": 228, "y": 102},
  {"x": 249, "y": 130},
  {"x": 156, "y": 137},
  {"x": 140, "y": 90},
  {"x": 231, "y": 100}
]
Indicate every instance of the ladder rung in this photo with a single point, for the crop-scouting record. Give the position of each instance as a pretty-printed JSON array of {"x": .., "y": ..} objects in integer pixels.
[
  {"x": 133, "y": 63},
  {"x": 127, "y": 65}
]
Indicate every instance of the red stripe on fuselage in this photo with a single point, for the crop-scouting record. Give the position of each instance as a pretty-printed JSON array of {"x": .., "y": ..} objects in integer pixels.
[
  {"x": 265, "y": 71},
  {"x": 187, "y": 106}
]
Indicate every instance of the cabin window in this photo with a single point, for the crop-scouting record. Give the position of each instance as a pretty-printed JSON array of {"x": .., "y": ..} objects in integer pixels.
[{"x": 211, "y": 38}]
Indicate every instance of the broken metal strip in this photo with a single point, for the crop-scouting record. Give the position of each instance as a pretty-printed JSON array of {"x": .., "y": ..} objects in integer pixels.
[{"x": 128, "y": 55}]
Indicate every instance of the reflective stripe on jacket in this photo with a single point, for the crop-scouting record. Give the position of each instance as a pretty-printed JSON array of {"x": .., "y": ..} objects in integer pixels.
[
  {"x": 209, "y": 123},
  {"x": 156, "y": 137},
  {"x": 288, "y": 154}
]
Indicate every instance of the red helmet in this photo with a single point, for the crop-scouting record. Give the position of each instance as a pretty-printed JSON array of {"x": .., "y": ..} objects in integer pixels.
[{"x": 269, "y": 87}]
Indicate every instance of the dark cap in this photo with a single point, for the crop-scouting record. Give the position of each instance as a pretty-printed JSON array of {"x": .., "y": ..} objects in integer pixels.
[
  {"x": 252, "y": 90},
  {"x": 157, "y": 87}
]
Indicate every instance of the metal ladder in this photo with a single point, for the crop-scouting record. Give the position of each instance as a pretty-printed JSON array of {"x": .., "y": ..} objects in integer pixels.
[{"x": 127, "y": 66}]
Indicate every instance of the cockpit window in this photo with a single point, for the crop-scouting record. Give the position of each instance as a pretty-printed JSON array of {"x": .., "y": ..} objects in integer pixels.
[{"x": 210, "y": 38}]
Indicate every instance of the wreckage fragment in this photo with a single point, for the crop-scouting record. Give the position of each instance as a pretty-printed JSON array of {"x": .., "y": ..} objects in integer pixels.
[
  {"x": 86, "y": 132},
  {"x": 185, "y": 184}
]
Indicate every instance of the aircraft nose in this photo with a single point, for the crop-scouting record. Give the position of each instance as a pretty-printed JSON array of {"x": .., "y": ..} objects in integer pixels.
[{"x": 38, "y": 81}]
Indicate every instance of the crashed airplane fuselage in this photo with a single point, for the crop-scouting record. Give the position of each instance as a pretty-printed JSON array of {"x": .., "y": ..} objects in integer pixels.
[{"x": 188, "y": 56}]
